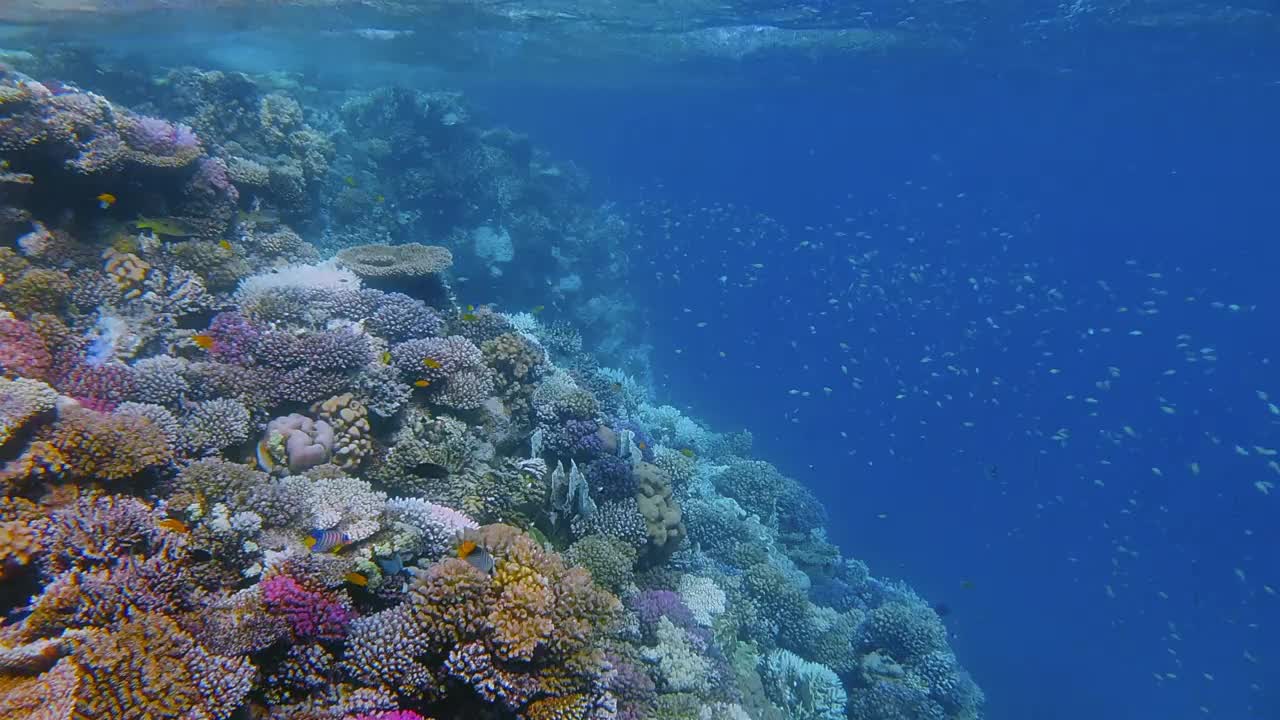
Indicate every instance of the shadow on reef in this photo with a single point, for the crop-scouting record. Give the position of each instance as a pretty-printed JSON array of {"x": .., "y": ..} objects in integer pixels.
[{"x": 261, "y": 460}]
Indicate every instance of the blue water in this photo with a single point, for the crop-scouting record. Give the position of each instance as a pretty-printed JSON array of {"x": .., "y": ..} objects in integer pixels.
[{"x": 1095, "y": 576}]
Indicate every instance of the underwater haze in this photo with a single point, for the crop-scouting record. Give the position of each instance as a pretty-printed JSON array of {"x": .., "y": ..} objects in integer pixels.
[{"x": 392, "y": 360}]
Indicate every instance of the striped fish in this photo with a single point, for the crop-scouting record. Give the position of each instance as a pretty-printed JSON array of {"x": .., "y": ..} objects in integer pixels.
[{"x": 327, "y": 540}]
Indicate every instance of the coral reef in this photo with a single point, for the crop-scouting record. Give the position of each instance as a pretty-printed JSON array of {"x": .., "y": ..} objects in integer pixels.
[{"x": 257, "y": 460}]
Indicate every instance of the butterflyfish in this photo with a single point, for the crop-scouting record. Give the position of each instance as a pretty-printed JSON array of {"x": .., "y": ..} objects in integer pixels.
[{"x": 476, "y": 556}]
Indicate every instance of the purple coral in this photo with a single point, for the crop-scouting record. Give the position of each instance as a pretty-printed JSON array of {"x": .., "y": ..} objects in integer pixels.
[
  {"x": 97, "y": 387},
  {"x": 234, "y": 338},
  {"x": 158, "y": 137},
  {"x": 391, "y": 715},
  {"x": 311, "y": 614},
  {"x": 330, "y": 350},
  {"x": 435, "y": 359},
  {"x": 398, "y": 317},
  {"x": 653, "y": 605},
  {"x": 295, "y": 441},
  {"x": 574, "y": 437},
  {"x": 610, "y": 477}
]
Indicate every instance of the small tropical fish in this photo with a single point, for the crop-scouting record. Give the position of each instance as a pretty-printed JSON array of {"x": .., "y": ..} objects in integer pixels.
[
  {"x": 966, "y": 584},
  {"x": 172, "y": 227},
  {"x": 471, "y": 308},
  {"x": 106, "y": 200},
  {"x": 350, "y": 181},
  {"x": 393, "y": 565},
  {"x": 686, "y": 452},
  {"x": 386, "y": 357},
  {"x": 225, "y": 245},
  {"x": 356, "y": 578},
  {"x": 173, "y": 525},
  {"x": 616, "y": 387},
  {"x": 643, "y": 445},
  {"x": 204, "y": 341},
  {"x": 421, "y": 383},
  {"x": 430, "y": 470},
  {"x": 538, "y": 308},
  {"x": 476, "y": 556},
  {"x": 468, "y": 317},
  {"x": 431, "y": 363},
  {"x": 380, "y": 199},
  {"x": 320, "y": 541}
]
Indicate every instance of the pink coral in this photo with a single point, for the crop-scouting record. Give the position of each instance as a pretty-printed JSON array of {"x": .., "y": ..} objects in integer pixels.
[
  {"x": 311, "y": 614},
  {"x": 22, "y": 351},
  {"x": 393, "y": 715}
]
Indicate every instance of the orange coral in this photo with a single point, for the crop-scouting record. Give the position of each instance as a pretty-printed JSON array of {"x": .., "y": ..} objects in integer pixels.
[
  {"x": 150, "y": 669},
  {"x": 146, "y": 669},
  {"x": 108, "y": 447},
  {"x": 529, "y": 629}
]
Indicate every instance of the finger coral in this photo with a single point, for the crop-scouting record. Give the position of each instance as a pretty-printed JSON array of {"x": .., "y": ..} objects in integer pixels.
[{"x": 522, "y": 636}]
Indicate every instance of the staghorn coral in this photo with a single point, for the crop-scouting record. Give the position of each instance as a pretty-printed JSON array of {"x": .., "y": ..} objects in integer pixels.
[{"x": 536, "y": 639}]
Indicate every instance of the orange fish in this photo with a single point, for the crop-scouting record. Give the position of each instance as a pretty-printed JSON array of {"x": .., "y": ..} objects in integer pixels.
[
  {"x": 225, "y": 245},
  {"x": 173, "y": 525},
  {"x": 106, "y": 200},
  {"x": 204, "y": 341},
  {"x": 476, "y": 556},
  {"x": 421, "y": 383},
  {"x": 356, "y": 578},
  {"x": 431, "y": 363}
]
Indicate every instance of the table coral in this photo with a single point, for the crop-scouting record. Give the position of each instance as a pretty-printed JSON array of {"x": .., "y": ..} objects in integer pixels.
[{"x": 395, "y": 261}]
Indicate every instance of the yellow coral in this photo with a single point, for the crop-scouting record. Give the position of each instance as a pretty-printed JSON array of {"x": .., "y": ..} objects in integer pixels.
[
  {"x": 146, "y": 669},
  {"x": 108, "y": 447}
]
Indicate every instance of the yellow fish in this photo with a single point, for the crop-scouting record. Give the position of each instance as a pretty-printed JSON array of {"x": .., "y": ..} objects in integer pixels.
[
  {"x": 421, "y": 383},
  {"x": 380, "y": 199},
  {"x": 204, "y": 341},
  {"x": 173, "y": 525},
  {"x": 356, "y": 578},
  {"x": 171, "y": 227},
  {"x": 106, "y": 200},
  {"x": 538, "y": 308},
  {"x": 468, "y": 317},
  {"x": 471, "y": 308},
  {"x": 386, "y": 357},
  {"x": 686, "y": 452},
  {"x": 349, "y": 180},
  {"x": 225, "y": 245},
  {"x": 431, "y": 363}
]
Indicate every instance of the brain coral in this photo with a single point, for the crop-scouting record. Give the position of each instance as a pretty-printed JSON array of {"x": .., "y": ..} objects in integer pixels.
[{"x": 525, "y": 636}]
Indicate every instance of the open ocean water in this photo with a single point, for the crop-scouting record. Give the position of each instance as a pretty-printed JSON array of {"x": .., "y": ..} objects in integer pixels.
[{"x": 996, "y": 281}]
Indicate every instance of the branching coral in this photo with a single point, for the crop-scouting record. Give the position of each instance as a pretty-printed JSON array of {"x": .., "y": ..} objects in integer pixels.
[
  {"x": 108, "y": 447},
  {"x": 520, "y": 637}
]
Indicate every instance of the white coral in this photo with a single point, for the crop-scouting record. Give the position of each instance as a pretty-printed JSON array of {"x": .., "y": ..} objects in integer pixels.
[
  {"x": 341, "y": 503},
  {"x": 703, "y": 597},
  {"x": 680, "y": 666}
]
